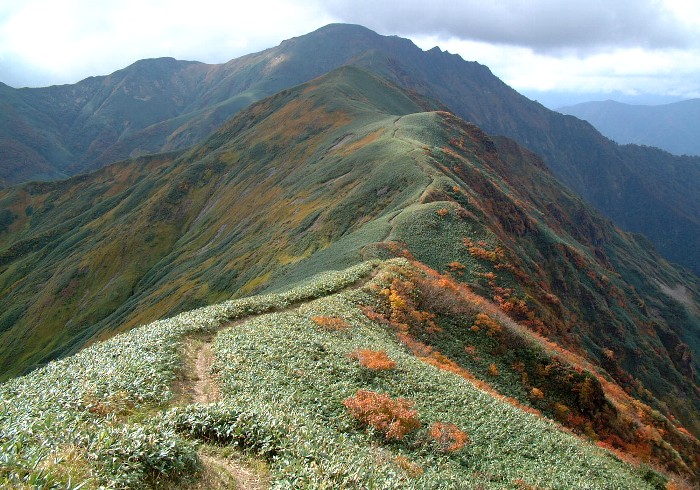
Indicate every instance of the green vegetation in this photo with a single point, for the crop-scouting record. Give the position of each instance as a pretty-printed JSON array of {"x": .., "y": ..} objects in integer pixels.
[
  {"x": 101, "y": 417},
  {"x": 163, "y": 104},
  {"x": 94, "y": 417},
  {"x": 565, "y": 314}
]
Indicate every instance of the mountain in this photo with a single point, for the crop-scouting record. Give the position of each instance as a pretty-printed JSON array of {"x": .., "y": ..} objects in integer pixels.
[
  {"x": 71, "y": 128},
  {"x": 162, "y": 234},
  {"x": 509, "y": 277},
  {"x": 164, "y": 105},
  {"x": 671, "y": 127}
]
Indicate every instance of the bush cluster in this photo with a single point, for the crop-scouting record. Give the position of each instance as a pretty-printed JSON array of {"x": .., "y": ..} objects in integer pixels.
[
  {"x": 373, "y": 360},
  {"x": 394, "y": 418}
]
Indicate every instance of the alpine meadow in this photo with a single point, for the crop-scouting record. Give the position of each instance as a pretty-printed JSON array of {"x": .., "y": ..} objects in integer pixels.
[{"x": 343, "y": 262}]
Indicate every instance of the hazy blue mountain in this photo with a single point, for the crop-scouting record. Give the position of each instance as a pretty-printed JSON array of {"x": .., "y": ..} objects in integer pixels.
[{"x": 672, "y": 127}]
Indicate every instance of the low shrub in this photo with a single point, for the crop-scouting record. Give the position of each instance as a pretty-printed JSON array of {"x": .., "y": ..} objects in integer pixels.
[
  {"x": 394, "y": 418},
  {"x": 448, "y": 437},
  {"x": 373, "y": 360},
  {"x": 138, "y": 455},
  {"x": 330, "y": 322}
]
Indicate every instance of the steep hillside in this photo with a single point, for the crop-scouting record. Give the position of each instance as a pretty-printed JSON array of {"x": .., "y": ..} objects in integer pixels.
[
  {"x": 363, "y": 172},
  {"x": 163, "y": 105},
  {"x": 339, "y": 403},
  {"x": 70, "y": 128},
  {"x": 159, "y": 235},
  {"x": 672, "y": 127},
  {"x": 30, "y": 146}
]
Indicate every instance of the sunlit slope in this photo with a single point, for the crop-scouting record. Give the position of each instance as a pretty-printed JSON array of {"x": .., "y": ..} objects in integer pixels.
[
  {"x": 164, "y": 105},
  {"x": 118, "y": 414},
  {"x": 143, "y": 239},
  {"x": 325, "y": 175}
]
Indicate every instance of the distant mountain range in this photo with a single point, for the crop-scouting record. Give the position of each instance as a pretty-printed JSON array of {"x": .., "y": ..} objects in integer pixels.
[
  {"x": 164, "y": 104},
  {"x": 672, "y": 127}
]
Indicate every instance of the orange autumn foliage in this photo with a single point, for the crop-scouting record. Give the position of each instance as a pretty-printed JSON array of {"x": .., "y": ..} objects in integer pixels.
[
  {"x": 373, "y": 360},
  {"x": 480, "y": 251},
  {"x": 445, "y": 296},
  {"x": 414, "y": 303},
  {"x": 394, "y": 418},
  {"x": 456, "y": 267},
  {"x": 448, "y": 437},
  {"x": 330, "y": 322},
  {"x": 412, "y": 469},
  {"x": 536, "y": 394},
  {"x": 482, "y": 320}
]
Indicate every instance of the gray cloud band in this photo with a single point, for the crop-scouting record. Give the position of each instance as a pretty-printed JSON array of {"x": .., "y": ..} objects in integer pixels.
[{"x": 546, "y": 25}]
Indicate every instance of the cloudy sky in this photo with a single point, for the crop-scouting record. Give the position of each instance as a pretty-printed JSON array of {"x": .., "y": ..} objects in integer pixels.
[{"x": 556, "y": 51}]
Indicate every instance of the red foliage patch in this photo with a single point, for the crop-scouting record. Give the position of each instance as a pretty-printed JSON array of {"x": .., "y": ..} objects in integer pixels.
[
  {"x": 330, "y": 322},
  {"x": 392, "y": 417},
  {"x": 374, "y": 360},
  {"x": 448, "y": 437}
]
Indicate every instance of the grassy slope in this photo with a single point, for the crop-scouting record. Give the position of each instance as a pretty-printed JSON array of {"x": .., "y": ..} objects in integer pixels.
[
  {"x": 359, "y": 174},
  {"x": 103, "y": 416},
  {"x": 566, "y": 252},
  {"x": 176, "y": 234}
]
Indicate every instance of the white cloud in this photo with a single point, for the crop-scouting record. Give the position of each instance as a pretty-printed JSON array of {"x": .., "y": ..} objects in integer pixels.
[
  {"x": 72, "y": 39},
  {"x": 626, "y": 70},
  {"x": 627, "y": 46}
]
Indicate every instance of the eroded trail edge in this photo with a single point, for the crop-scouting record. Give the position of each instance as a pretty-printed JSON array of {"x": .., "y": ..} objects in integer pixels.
[
  {"x": 197, "y": 384},
  {"x": 205, "y": 389}
]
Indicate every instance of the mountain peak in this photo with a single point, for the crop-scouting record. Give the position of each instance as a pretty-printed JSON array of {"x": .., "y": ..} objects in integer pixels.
[
  {"x": 153, "y": 67},
  {"x": 341, "y": 27}
]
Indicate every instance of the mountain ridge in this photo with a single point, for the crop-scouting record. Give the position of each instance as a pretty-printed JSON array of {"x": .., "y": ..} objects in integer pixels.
[
  {"x": 365, "y": 172},
  {"x": 623, "y": 182}
]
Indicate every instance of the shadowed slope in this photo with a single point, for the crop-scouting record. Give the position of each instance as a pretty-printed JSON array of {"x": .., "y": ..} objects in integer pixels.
[
  {"x": 672, "y": 127},
  {"x": 71, "y": 128}
]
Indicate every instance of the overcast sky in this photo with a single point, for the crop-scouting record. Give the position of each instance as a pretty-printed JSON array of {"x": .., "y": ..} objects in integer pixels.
[{"x": 544, "y": 48}]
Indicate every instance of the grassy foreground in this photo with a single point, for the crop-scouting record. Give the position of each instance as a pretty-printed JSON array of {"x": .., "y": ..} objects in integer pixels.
[{"x": 108, "y": 416}]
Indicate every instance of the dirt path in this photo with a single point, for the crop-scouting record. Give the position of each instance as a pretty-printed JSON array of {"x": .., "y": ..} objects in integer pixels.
[
  {"x": 221, "y": 473},
  {"x": 197, "y": 384},
  {"x": 205, "y": 389},
  {"x": 245, "y": 478}
]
